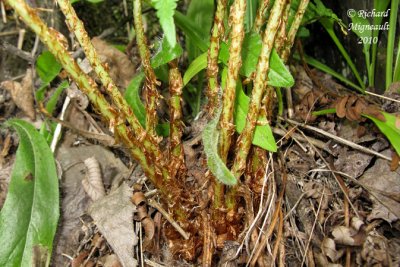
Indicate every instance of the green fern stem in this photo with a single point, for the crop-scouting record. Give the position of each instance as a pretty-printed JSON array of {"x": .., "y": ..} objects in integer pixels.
[
  {"x": 151, "y": 94},
  {"x": 236, "y": 36},
  {"x": 294, "y": 28},
  {"x": 281, "y": 36},
  {"x": 212, "y": 61},
  {"x": 260, "y": 84},
  {"x": 260, "y": 17},
  {"x": 176, "y": 154},
  {"x": 76, "y": 26},
  {"x": 55, "y": 42}
]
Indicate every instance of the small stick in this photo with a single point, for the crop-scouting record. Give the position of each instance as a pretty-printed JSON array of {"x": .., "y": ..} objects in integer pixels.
[
  {"x": 340, "y": 140},
  {"x": 179, "y": 229}
]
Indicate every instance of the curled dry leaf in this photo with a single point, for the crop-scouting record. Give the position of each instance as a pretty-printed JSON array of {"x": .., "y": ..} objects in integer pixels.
[
  {"x": 22, "y": 94},
  {"x": 352, "y": 106},
  {"x": 93, "y": 182},
  {"x": 375, "y": 251},
  {"x": 328, "y": 248},
  {"x": 139, "y": 200},
  {"x": 348, "y": 235},
  {"x": 120, "y": 67}
]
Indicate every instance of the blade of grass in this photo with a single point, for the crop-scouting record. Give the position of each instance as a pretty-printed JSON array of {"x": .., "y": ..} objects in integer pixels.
[{"x": 394, "y": 7}]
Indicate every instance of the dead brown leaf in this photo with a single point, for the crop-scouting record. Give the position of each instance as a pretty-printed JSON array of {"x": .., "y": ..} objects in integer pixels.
[
  {"x": 121, "y": 69},
  {"x": 113, "y": 215},
  {"x": 22, "y": 94},
  {"x": 382, "y": 179}
]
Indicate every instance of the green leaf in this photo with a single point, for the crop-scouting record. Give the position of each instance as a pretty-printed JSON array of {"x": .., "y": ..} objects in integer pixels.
[
  {"x": 29, "y": 217},
  {"x": 165, "y": 13},
  {"x": 165, "y": 53},
  {"x": 251, "y": 13},
  {"x": 251, "y": 49},
  {"x": 201, "y": 13},
  {"x": 191, "y": 30},
  {"x": 47, "y": 67},
  {"x": 162, "y": 129},
  {"x": 278, "y": 74},
  {"x": 132, "y": 96},
  {"x": 215, "y": 164},
  {"x": 51, "y": 104},
  {"x": 94, "y": 1},
  {"x": 390, "y": 128},
  {"x": 197, "y": 65},
  {"x": 263, "y": 136}
]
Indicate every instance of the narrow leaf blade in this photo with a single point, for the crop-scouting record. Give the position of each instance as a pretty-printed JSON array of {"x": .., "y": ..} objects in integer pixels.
[{"x": 215, "y": 164}]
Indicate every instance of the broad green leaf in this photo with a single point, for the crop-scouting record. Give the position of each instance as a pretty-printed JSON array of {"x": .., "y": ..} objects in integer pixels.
[
  {"x": 251, "y": 49},
  {"x": 214, "y": 162},
  {"x": 201, "y": 14},
  {"x": 165, "y": 13},
  {"x": 28, "y": 220},
  {"x": 165, "y": 53},
  {"x": 263, "y": 136},
  {"x": 132, "y": 96},
  {"x": 47, "y": 67},
  {"x": 51, "y": 104},
  {"x": 278, "y": 74},
  {"x": 390, "y": 128}
]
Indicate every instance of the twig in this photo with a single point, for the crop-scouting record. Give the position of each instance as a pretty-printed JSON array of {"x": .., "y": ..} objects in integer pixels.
[
  {"x": 13, "y": 50},
  {"x": 338, "y": 179},
  {"x": 21, "y": 37},
  {"x": 57, "y": 131},
  {"x": 339, "y": 139},
  {"x": 177, "y": 227},
  {"x": 313, "y": 227},
  {"x": 382, "y": 96}
]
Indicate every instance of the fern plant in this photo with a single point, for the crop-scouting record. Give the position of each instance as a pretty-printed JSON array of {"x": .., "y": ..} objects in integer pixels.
[{"x": 251, "y": 49}]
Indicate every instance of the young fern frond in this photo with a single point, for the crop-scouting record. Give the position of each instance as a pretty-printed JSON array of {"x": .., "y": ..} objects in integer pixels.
[
  {"x": 236, "y": 37},
  {"x": 260, "y": 85},
  {"x": 212, "y": 60},
  {"x": 294, "y": 27},
  {"x": 76, "y": 26},
  {"x": 260, "y": 18},
  {"x": 151, "y": 94},
  {"x": 176, "y": 153}
]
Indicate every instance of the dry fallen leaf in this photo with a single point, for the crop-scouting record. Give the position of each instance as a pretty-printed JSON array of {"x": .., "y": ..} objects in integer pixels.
[
  {"x": 120, "y": 67},
  {"x": 113, "y": 215},
  {"x": 382, "y": 179},
  {"x": 22, "y": 94}
]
